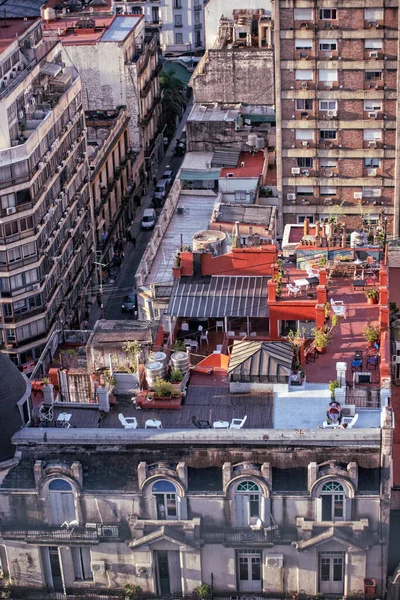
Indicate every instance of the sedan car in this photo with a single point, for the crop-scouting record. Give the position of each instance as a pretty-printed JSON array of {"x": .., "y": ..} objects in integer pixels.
[{"x": 129, "y": 302}]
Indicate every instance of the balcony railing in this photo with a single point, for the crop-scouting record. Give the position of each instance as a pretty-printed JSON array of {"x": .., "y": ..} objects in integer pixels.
[
  {"x": 243, "y": 535},
  {"x": 90, "y": 532}
]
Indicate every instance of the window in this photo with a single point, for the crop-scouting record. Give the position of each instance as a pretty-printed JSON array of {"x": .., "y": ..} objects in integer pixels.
[
  {"x": 300, "y": 220},
  {"x": 247, "y": 503},
  {"x": 328, "y": 163},
  {"x": 249, "y": 570},
  {"x": 373, "y": 75},
  {"x": 304, "y": 104},
  {"x": 14, "y": 255},
  {"x": 303, "y": 14},
  {"x": 372, "y": 134},
  {"x": 328, "y": 14},
  {"x": 373, "y": 14},
  {"x": 29, "y": 249},
  {"x": 373, "y": 44},
  {"x": 178, "y": 20},
  {"x": 31, "y": 330},
  {"x": 304, "y": 75},
  {"x": 304, "y": 134},
  {"x": 328, "y": 105},
  {"x": 327, "y": 134},
  {"x": 164, "y": 493},
  {"x": 305, "y": 162},
  {"x": 62, "y": 502},
  {"x": 11, "y": 228},
  {"x": 331, "y": 573},
  {"x": 328, "y": 44},
  {"x": 332, "y": 495},
  {"x": 305, "y": 190},
  {"x": 81, "y": 562},
  {"x": 303, "y": 44},
  {"x": 328, "y": 75},
  {"x": 7, "y": 201},
  {"x": 155, "y": 14},
  {"x": 177, "y": 4},
  {"x": 327, "y": 191},
  {"x": 26, "y": 223},
  {"x": 178, "y": 38},
  {"x": 373, "y": 163},
  {"x": 368, "y": 192},
  {"x": 373, "y": 105}
]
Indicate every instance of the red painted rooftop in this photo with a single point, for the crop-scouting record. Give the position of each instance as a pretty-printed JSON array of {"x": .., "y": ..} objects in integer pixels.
[
  {"x": 11, "y": 29},
  {"x": 253, "y": 165}
]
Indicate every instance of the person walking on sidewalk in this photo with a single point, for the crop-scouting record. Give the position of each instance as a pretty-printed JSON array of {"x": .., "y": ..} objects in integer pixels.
[{"x": 133, "y": 240}]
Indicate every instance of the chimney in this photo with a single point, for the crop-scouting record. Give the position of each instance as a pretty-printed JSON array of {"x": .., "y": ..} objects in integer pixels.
[
  {"x": 317, "y": 231},
  {"x": 250, "y": 237},
  {"x": 306, "y": 226},
  {"x": 236, "y": 235}
]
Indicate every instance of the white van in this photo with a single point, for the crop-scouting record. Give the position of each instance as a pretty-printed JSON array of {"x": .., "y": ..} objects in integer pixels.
[{"x": 149, "y": 218}]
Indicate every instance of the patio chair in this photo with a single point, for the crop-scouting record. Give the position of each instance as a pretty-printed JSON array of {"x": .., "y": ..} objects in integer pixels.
[
  {"x": 372, "y": 361},
  {"x": 311, "y": 272},
  {"x": 356, "y": 365},
  {"x": 186, "y": 342},
  {"x": 350, "y": 421},
  {"x": 293, "y": 289},
  {"x": 204, "y": 336},
  {"x": 128, "y": 422},
  {"x": 338, "y": 308},
  {"x": 237, "y": 423},
  {"x": 194, "y": 344},
  {"x": 46, "y": 413},
  {"x": 219, "y": 325},
  {"x": 201, "y": 424}
]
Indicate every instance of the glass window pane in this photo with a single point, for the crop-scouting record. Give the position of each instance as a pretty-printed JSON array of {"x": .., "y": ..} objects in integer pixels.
[
  {"x": 256, "y": 569},
  {"x": 325, "y": 568},
  {"x": 243, "y": 569},
  {"x": 337, "y": 569}
]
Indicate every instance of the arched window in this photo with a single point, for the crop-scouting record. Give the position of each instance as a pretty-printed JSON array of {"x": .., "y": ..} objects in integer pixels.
[
  {"x": 164, "y": 493},
  {"x": 62, "y": 502},
  {"x": 332, "y": 496},
  {"x": 247, "y": 503}
]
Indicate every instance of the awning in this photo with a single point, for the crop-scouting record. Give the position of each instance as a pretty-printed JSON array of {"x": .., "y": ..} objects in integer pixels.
[
  {"x": 50, "y": 68},
  {"x": 260, "y": 361},
  {"x": 260, "y": 118},
  {"x": 218, "y": 297},
  {"x": 206, "y": 175}
]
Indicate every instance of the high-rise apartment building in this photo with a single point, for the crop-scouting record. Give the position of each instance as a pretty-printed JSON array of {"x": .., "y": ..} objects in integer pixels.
[
  {"x": 45, "y": 225},
  {"x": 336, "y": 100},
  {"x": 180, "y": 22}
]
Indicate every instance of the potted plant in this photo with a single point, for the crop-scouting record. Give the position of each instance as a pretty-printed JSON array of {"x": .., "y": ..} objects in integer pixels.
[
  {"x": 202, "y": 591},
  {"x": 371, "y": 334},
  {"x": 296, "y": 340},
  {"x": 332, "y": 387},
  {"x": 132, "y": 591},
  {"x": 327, "y": 311},
  {"x": 45, "y": 381},
  {"x": 179, "y": 346},
  {"x": 163, "y": 389},
  {"x": 372, "y": 296},
  {"x": 323, "y": 337},
  {"x": 176, "y": 376}
]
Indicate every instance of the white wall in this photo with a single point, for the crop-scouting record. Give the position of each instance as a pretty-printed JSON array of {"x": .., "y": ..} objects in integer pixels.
[{"x": 214, "y": 10}]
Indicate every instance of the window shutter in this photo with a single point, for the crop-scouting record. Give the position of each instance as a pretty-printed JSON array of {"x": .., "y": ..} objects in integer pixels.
[
  {"x": 181, "y": 508},
  {"x": 347, "y": 509},
  {"x": 154, "y": 507},
  {"x": 318, "y": 509},
  {"x": 326, "y": 508},
  {"x": 266, "y": 510}
]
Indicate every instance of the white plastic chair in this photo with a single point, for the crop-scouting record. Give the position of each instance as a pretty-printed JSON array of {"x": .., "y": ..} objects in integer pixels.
[
  {"x": 237, "y": 423},
  {"x": 338, "y": 308},
  {"x": 185, "y": 326},
  {"x": 311, "y": 272},
  {"x": 128, "y": 422},
  {"x": 219, "y": 325},
  {"x": 204, "y": 336},
  {"x": 292, "y": 289}
]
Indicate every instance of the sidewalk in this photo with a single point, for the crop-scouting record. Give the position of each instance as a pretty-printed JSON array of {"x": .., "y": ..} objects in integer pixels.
[{"x": 95, "y": 312}]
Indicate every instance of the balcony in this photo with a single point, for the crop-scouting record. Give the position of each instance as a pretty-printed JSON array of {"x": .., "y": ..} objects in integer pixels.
[
  {"x": 90, "y": 532},
  {"x": 198, "y": 26},
  {"x": 197, "y": 6},
  {"x": 246, "y": 535}
]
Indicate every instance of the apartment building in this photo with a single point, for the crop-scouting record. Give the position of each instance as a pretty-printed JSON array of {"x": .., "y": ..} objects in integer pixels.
[
  {"x": 180, "y": 23},
  {"x": 114, "y": 176},
  {"x": 118, "y": 63},
  {"x": 336, "y": 101},
  {"x": 46, "y": 233}
]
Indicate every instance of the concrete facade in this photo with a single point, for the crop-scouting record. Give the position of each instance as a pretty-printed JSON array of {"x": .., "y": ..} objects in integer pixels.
[{"x": 46, "y": 235}]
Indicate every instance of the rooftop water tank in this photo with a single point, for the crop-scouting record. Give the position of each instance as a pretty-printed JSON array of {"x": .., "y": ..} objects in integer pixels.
[{"x": 210, "y": 241}]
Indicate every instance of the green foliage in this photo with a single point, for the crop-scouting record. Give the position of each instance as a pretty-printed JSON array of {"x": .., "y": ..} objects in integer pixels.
[
  {"x": 133, "y": 350},
  {"x": 393, "y": 307},
  {"x": 179, "y": 346},
  {"x": 202, "y": 591},
  {"x": 323, "y": 337},
  {"x": 45, "y": 381},
  {"x": 109, "y": 379},
  {"x": 163, "y": 388},
  {"x": 332, "y": 387},
  {"x": 327, "y": 310},
  {"x": 372, "y": 293},
  {"x": 176, "y": 376},
  {"x": 173, "y": 101},
  {"x": 132, "y": 591},
  {"x": 296, "y": 338},
  {"x": 335, "y": 320},
  {"x": 371, "y": 333}
]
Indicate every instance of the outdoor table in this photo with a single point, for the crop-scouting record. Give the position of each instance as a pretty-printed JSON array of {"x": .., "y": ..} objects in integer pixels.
[
  {"x": 302, "y": 283},
  {"x": 221, "y": 425},
  {"x": 312, "y": 280},
  {"x": 359, "y": 283},
  {"x": 64, "y": 418},
  {"x": 153, "y": 424}
]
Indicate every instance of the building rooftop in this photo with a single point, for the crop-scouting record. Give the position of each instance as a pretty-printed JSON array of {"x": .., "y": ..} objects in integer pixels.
[
  {"x": 232, "y": 112},
  {"x": 250, "y": 214},
  {"x": 249, "y": 165},
  {"x": 19, "y": 9},
  {"x": 12, "y": 28},
  {"x": 107, "y": 331},
  {"x": 75, "y": 31}
]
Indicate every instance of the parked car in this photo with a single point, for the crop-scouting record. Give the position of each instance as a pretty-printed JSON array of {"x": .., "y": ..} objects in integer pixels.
[
  {"x": 168, "y": 176},
  {"x": 149, "y": 218},
  {"x": 161, "y": 190},
  {"x": 129, "y": 302}
]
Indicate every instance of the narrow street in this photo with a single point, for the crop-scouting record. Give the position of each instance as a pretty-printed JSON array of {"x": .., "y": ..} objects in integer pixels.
[{"x": 114, "y": 293}]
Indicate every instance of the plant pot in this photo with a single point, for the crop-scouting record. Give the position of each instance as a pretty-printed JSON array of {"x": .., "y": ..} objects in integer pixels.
[
  {"x": 372, "y": 300},
  {"x": 323, "y": 350},
  {"x": 162, "y": 398}
]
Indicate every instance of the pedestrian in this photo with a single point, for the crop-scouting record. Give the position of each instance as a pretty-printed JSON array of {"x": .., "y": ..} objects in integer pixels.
[
  {"x": 154, "y": 181},
  {"x": 133, "y": 240}
]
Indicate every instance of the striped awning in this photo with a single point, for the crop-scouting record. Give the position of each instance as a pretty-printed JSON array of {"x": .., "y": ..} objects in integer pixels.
[
  {"x": 198, "y": 175},
  {"x": 260, "y": 361},
  {"x": 218, "y": 297}
]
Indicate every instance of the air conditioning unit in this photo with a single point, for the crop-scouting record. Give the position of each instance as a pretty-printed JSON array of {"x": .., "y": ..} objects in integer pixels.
[
  {"x": 304, "y": 85},
  {"x": 372, "y": 144},
  {"x": 11, "y": 210},
  {"x": 295, "y": 171},
  {"x": 305, "y": 144},
  {"x": 328, "y": 55},
  {"x": 36, "y": 286},
  {"x": 371, "y": 172},
  {"x": 291, "y": 196},
  {"x": 373, "y": 55},
  {"x": 62, "y": 194},
  {"x": 143, "y": 570},
  {"x": 305, "y": 172},
  {"x": 331, "y": 113},
  {"x": 372, "y": 115},
  {"x": 328, "y": 173},
  {"x": 98, "y": 566},
  {"x": 358, "y": 195},
  {"x": 274, "y": 561},
  {"x": 328, "y": 84}
]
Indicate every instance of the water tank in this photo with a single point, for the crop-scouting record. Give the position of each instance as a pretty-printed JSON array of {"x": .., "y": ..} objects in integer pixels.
[
  {"x": 358, "y": 238},
  {"x": 153, "y": 369},
  {"x": 181, "y": 361},
  {"x": 210, "y": 241},
  {"x": 49, "y": 14},
  {"x": 260, "y": 143},
  {"x": 160, "y": 357},
  {"x": 252, "y": 140}
]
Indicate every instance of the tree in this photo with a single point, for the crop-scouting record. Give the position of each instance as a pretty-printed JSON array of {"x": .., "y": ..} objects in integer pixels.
[{"x": 173, "y": 100}]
